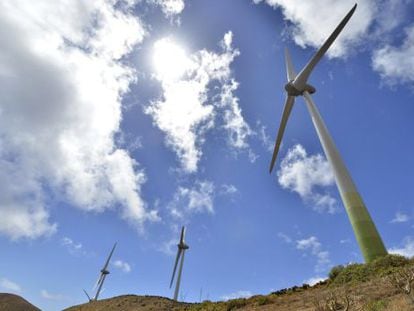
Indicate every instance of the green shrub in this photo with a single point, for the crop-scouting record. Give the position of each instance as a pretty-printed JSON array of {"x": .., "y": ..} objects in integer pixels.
[
  {"x": 378, "y": 305},
  {"x": 262, "y": 300},
  {"x": 363, "y": 272},
  {"x": 235, "y": 304},
  {"x": 335, "y": 271}
]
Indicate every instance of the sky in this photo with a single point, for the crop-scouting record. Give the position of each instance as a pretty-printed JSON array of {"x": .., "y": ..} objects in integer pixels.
[{"x": 123, "y": 120}]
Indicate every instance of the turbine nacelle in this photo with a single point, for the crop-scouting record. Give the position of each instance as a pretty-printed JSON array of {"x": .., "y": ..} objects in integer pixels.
[
  {"x": 105, "y": 272},
  {"x": 293, "y": 90},
  {"x": 183, "y": 246}
]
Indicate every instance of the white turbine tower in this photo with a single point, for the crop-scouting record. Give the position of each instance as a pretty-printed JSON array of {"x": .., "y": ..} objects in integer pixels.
[
  {"x": 182, "y": 247},
  {"x": 102, "y": 276},
  {"x": 364, "y": 228}
]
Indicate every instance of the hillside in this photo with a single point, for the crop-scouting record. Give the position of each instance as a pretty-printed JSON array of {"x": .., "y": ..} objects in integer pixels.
[
  {"x": 384, "y": 285},
  {"x": 11, "y": 302}
]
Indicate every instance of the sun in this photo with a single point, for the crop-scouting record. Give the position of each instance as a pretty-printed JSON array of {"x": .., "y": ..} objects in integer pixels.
[{"x": 170, "y": 60}]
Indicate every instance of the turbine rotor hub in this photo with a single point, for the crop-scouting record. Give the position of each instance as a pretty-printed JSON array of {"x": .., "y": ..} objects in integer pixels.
[{"x": 292, "y": 90}]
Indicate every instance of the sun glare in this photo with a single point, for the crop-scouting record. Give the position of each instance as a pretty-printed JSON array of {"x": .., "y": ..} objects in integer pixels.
[{"x": 170, "y": 60}]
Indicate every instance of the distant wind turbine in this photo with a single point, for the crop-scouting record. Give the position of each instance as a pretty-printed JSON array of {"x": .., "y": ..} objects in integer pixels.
[
  {"x": 102, "y": 276},
  {"x": 182, "y": 247},
  {"x": 367, "y": 236}
]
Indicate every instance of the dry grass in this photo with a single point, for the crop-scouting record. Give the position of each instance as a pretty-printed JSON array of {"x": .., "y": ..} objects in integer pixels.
[
  {"x": 375, "y": 295},
  {"x": 11, "y": 302}
]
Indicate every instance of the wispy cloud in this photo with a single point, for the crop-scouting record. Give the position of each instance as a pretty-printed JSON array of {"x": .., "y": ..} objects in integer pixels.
[
  {"x": 407, "y": 248},
  {"x": 228, "y": 189},
  {"x": 238, "y": 294},
  {"x": 396, "y": 64},
  {"x": 8, "y": 285},
  {"x": 73, "y": 248},
  {"x": 189, "y": 105},
  {"x": 49, "y": 296},
  {"x": 303, "y": 173},
  {"x": 400, "y": 217},
  {"x": 196, "y": 199},
  {"x": 264, "y": 137},
  {"x": 122, "y": 265},
  {"x": 313, "y": 245},
  {"x": 284, "y": 237},
  {"x": 314, "y": 280},
  {"x": 169, "y": 247}
]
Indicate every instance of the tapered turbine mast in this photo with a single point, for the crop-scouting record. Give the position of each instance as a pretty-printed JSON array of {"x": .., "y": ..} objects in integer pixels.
[
  {"x": 102, "y": 276},
  {"x": 367, "y": 236},
  {"x": 182, "y": 247}
]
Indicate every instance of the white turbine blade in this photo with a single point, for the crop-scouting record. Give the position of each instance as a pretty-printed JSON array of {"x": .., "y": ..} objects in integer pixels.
[
  {"x": 100, "y": 287},
  {"x": 180, "y": 271},
  {"x": 86, "y": 293},
  {"x": 182, "y": 235},
  {"x": 290, "y": 71},
  {"x": 175, "y": 265},
  {"x": 285, "y": 116},
  {"x": 303, "y": 76},
  {"x": 98, "y": 281},
  {"x": 109, "y": 257}
]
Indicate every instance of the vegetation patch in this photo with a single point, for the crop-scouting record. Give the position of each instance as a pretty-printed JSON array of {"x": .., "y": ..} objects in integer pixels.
[{"x": 355, "y": 273}]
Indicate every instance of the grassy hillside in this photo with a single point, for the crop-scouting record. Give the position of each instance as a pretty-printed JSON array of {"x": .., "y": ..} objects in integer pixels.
[
  {"x": 384, "y": 284},
  {"x": 11, "y": 302}
]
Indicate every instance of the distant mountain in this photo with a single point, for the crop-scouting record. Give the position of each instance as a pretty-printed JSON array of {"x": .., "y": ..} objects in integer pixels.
[{"x": 11, "y": 302}]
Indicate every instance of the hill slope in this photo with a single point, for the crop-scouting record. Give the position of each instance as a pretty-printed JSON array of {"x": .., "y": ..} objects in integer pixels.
[
  {"x": 11, "y": 302},
  {"x": 130, "y": 303},
  {"x": 386, "y": 284}
]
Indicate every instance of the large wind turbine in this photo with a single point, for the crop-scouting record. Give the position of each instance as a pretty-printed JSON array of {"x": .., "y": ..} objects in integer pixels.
[
  {"x": 364, "y": 228},
  {"x": 102, "y": 276},
  {"x": 182, "y": 247}
]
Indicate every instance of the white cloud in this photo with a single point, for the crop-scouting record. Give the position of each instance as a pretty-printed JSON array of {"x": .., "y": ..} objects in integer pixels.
[
  {"x": 45, "y": 294},
  {"x": 238, "y": 129},
  {"x": 267, "y": 142},
  {"x": 238, "y": 294},
  {"x": 284, "y": 237},
  {"x": 313, "y": 245},
  {"x": 228, "y": 189},
  {"x": 396, "y": 64},
  {"x": 8, "y": 285},
  {"x": 406, "y": 250},
  {"x": 169, "y": 247},
  {"x": 62, "y": 82},
  {"x": 170, "y": 7},
  {"x": 189, "y": 104},
  {"x": 314, "y": 280},
  {"x": 72, "y": 247},
  {"x": 122, "y": 265},
  {"x": 197, "y": 199},
  {"x": 400, "y": 217},
  {"x": 307, "y": 29},
  {"x": 301, "y": 173}
]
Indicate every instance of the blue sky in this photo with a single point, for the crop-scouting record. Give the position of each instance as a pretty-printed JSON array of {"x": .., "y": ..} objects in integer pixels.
[{"x": 124, "y": 120}]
